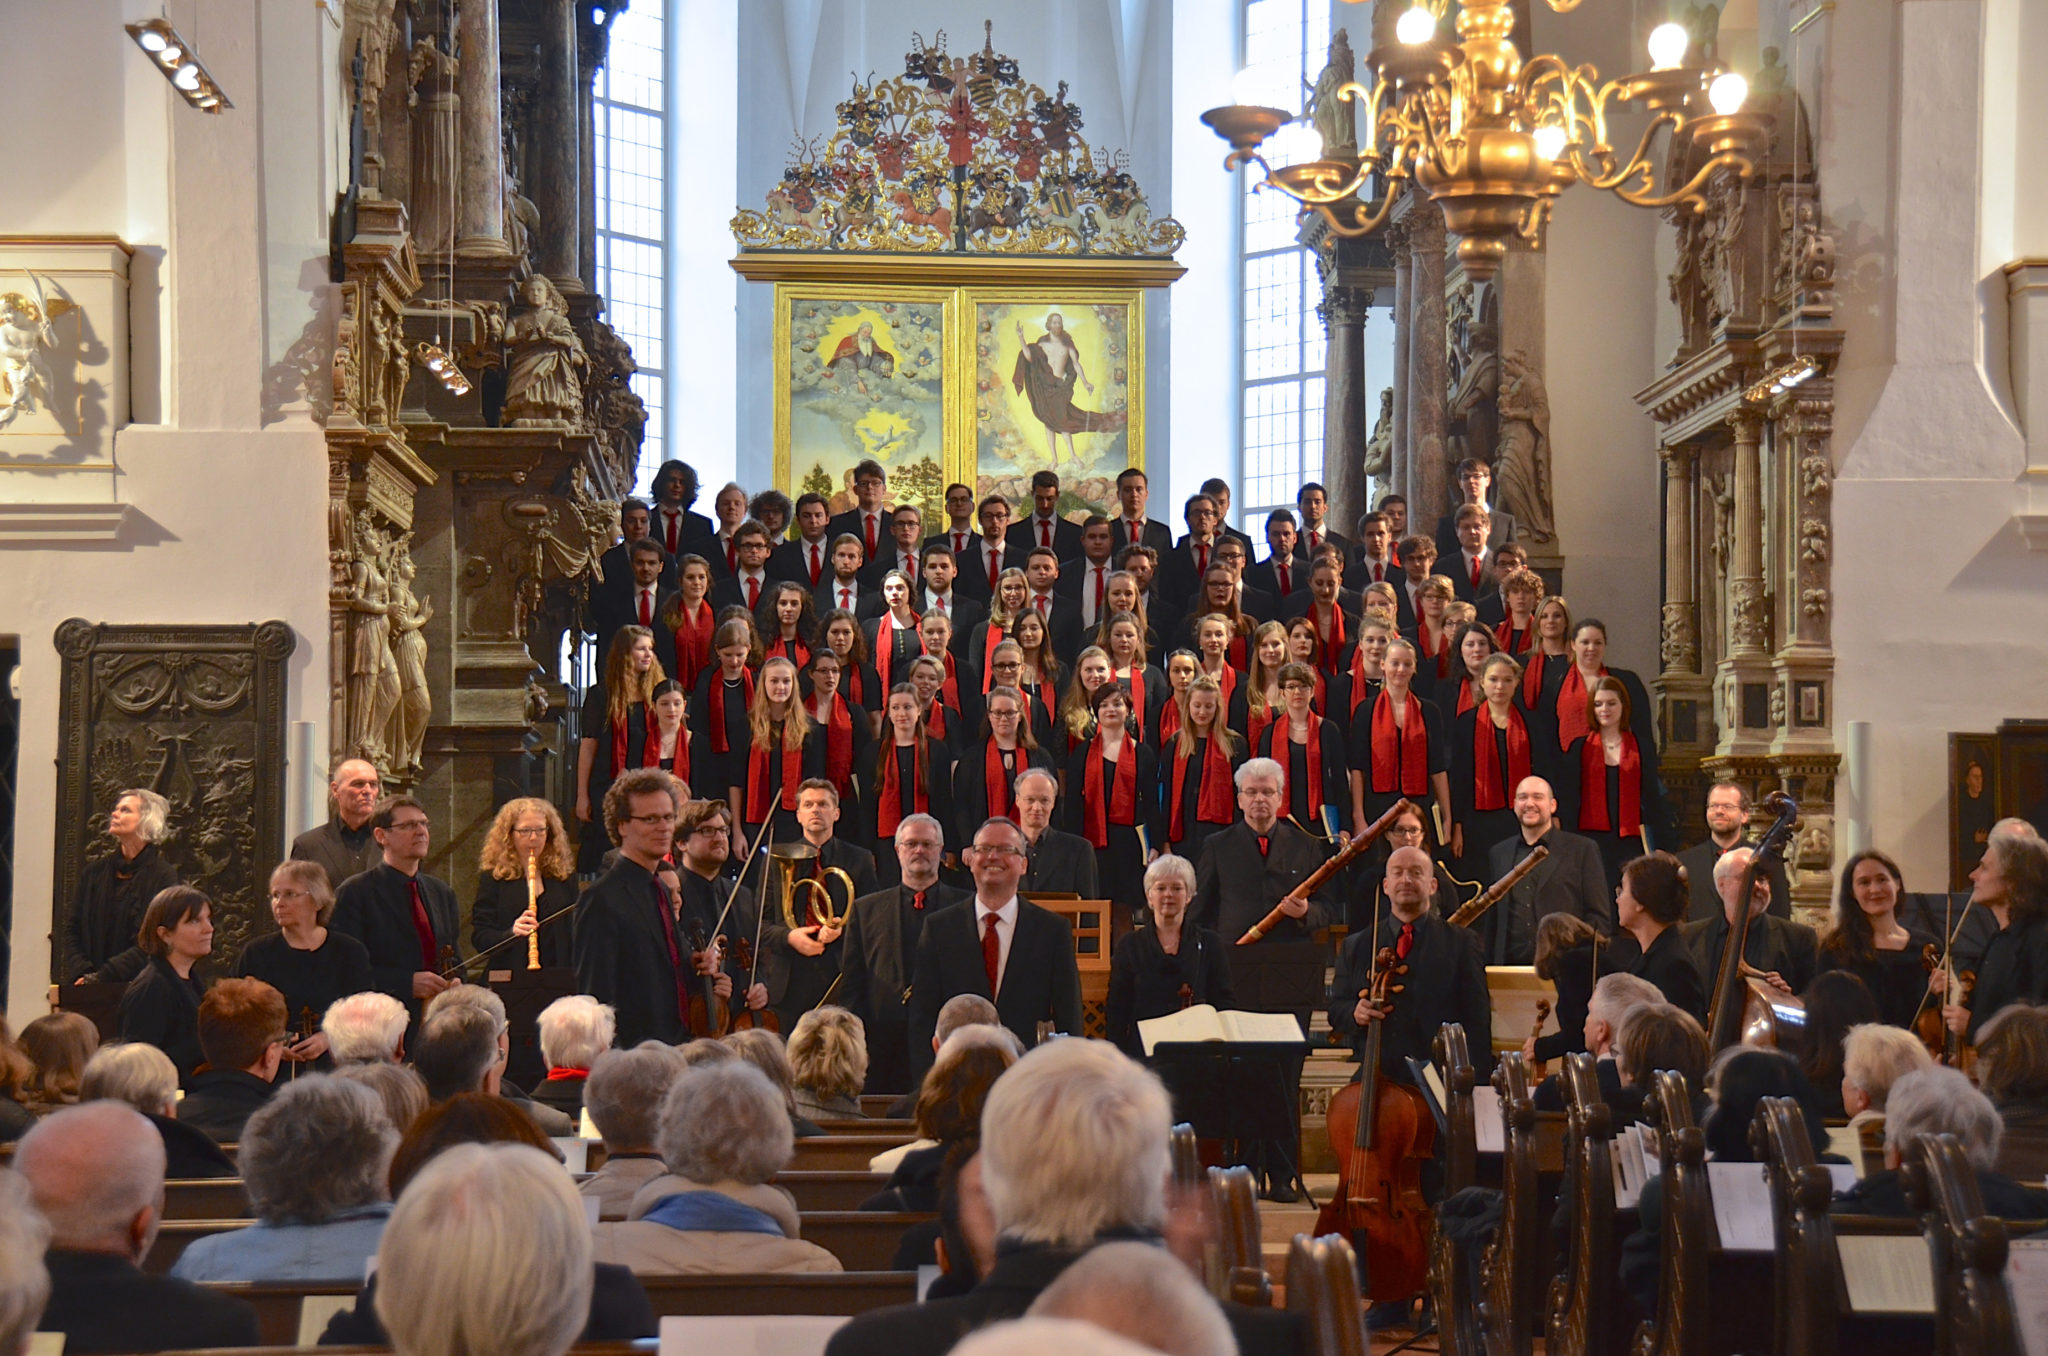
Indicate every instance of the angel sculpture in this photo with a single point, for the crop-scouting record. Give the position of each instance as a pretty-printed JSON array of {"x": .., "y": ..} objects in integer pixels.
[{"x": 25, "y": 332}]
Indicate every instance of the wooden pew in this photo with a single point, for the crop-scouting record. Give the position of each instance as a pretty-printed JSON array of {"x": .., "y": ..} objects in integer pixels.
[
  {"x": 1973, "y": 1309},
  {"x": 903, "y": 1129},
  {"x": 1451, "y": 1282},
  {"x": 227, "y": 1198},
  {"x": 1681, "y": 1324},
  {"x": 831, "y": 1189},
  {"x": 1509, "y": 1278},
  {"x": 206, "y": 1198},
  {"x": 843, "y": 1153},
  {"x": 1578, "y": 1318},
  {"x": 876, "y": 1105},
  {"x": 1322, "y": 1286},
  {"x": 1235, "y": 1200}
]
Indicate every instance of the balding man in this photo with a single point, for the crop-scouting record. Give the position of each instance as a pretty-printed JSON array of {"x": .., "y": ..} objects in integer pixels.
[
  {"x": 1570, "y": 880},
  {"x": 1786, "y": 952},
  {"x": 97, "y": 1174},
  {"x": 345, "y": 845}
]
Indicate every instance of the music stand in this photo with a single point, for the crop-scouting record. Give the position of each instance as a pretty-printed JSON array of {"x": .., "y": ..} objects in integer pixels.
[
  {"x": 1236, "y": 1092},
  {"x": 525, "y": 993}
]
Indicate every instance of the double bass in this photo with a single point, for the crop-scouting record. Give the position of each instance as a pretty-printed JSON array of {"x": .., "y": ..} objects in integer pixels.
[
  {"x": 1742, "y": 1007},
  {"x": 1384, "y": 1132}
]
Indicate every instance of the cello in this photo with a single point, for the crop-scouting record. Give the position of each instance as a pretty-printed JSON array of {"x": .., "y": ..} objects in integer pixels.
[{"x": 1387, "y": 1133}]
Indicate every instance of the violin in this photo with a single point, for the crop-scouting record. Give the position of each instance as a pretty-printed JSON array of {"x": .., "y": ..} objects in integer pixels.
[
  {"x": 708, "y": 1013},
  {"x": 1186, "y": 996},
  {"x": 1946, "y": 1046},
  {"x": 744, "y": 1018},
  {"x": 1386, "y": 1133},
  {"x": 1536, "y": 1028}
]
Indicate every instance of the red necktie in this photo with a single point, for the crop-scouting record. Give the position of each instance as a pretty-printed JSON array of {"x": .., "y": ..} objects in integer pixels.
[
  {"x": 817, "y": 564},
  {"x": 1315, "y": 541},
  {"x": 991, "y": 952},
  {"x": 1134, "y": 531},
  {"x": 1201, "y": 559},
  {"x": 1406, "y": 941},
  {"x": 753, "y": 594},
  {"x": 1379, "y": 574},
  {"x": 909, "y": 567},
  {"x": 959, "y": 545},
  {"x": 1044, "y": 533},
  {"x": 871, "y": 535},
  {"x": 429, "y": 954},
  {"x": 675, "y": 527},
  {"x": 1285, "y": 587},
  {"x": 1044, "y": 602},
  {"x": 732, "y": 556},
  {"x": 1475, "y": 572},
  {"x": 995, "y": 567},
  {"x": 1265, "y": 844},
  {"x": 846, "y": 598},
  {"x": 917, "y": 902},
  {"x": 1098, "y": 592},
  {"x": 939, "y": 603},
  {"x": 647, "y": 607}
]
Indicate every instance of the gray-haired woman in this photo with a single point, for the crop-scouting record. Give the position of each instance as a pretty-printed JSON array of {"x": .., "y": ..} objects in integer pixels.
[
  {"x": 113, "y": 891},
  {"x": 308, "y": 962},
  {"x": 1169, "y": 966},
  {"x": 315, "y": 1159}
]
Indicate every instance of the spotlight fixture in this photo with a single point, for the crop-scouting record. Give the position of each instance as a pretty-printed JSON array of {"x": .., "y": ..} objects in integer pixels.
[
  {"x": 1782, "y": 379},
  {"x": 173, "y": 56},
  {"x": 436, "y": 360}
]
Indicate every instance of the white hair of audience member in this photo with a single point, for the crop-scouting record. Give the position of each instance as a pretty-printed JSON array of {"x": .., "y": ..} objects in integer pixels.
[
  {"x": 967, "y": 1037},
  {"x": 398, "y": 1086},
  {"x": 1614, "y": 994},
  {"x": 97, "y": 1173},
  {"x": 1940, "y": 1100},
  {"x": 1170, "y": 864},
  {"x": 364, "y": 1028},
  {"x": 24, "y": 1280},
  {"x": 2016, "y": 827},
  {"x": 1265, "y": 768},
  {"x": 923, "y": 819},
  {"x": 487, "y": 1253},
  {"x": 624, "y": 1094},
  {"x": 962, "y": 1010},
  {"x": 468, "y": 996},
  {"x": 575, "y": 1030},
  {"x": 1037, "y": 1336},
  {"x": 1073, "y": 1144},
  {"x": 1143, "y": 1292},
  {"x": 134, "y": 1072},
  {"x": 725, "y": 1122},
  {"x": 457, "y": 1049},
  {"x": 1875, "y": 1057},
  {"x": 318, "y": 1147}
]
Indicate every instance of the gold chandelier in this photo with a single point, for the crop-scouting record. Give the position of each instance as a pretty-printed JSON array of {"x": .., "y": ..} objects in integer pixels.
[{"x": 1494, "y": 140}]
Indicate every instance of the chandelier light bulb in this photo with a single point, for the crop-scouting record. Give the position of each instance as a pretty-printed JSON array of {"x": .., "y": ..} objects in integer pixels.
[
  {"x": 1244, "y": 86},
  {"x": 1416, "y": 26},
  {"x": 187, "y": 77},
  {"x": 1668, "y": 43},
  {"x": 1550, "y": 141},
  {"x": 1727, "y": 93},
  {"x": 151, "y": 40}
]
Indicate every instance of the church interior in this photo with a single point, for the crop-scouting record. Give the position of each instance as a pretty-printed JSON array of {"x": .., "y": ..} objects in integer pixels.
[{"x": 1142, "y": 614}]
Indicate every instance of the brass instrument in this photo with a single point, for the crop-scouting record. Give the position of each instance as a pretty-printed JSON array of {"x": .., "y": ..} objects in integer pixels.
[
  {"x": 783, "y": 861},
  {"x": 533, "y": 910}
]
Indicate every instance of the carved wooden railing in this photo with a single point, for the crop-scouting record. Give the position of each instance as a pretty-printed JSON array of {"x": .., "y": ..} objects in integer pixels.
[
  {"x": 1685, "y": 1228},
  {"x": 1580, "y": 1316},
  {"x": 1236, "y": 1203},
  {"x": 1508, "y": 1280},
  {"x": 1805, "y": 1314},
  {"x": 1973, "y": 1309},
  {"x": 1322, "y": 1286},
  {"x": 1450, "y": 1274}
]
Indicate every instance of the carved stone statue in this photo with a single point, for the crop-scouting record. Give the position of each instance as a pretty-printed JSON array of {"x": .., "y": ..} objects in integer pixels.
[
  {"x": 435, "y": 137},
  {"x": 408, "y": 618},
  {"x": 1473, "y": 417},
  {"x": 1379, "y": 449},
  {"x": 1335, "y": 119},
  {"x": 545, "y": 386},
  {"x": 522, "y": 218},
  {"x": 372, "y": 669},
  {"x": 1522, "y": 466}
]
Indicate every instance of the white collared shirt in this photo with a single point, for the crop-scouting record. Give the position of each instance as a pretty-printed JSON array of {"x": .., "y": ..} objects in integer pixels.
[{"x": 1006, "y": 932}]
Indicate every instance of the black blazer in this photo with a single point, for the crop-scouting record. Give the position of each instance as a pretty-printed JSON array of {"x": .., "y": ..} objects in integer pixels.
[
  {"x": 106, "y": 914},
  {"x": 1063, "y": 626},
  {"x": 850, "y": 523},
  {"x": 326, "y": 845},
  {"x": 1572, "y": 880},
  {"x": 965, "y": 613},
  {"x": 776, "y": 956},
  {"x": 103, "y": 1303},
  {"x": 1774, "y": 944},
  {"x": 873, "y": 977},
  {"x": 1500, "y": 531},
  {"x": 222, "y": 1101},
  {"x": 972, "y": 568},
  {"x": 726, "y": 591},
  {"x": 160, "y": 1009},
  {"x": 1264, "y": 576},
  {"x": 875, "y": 570},
  {"x": 622, "y": 956},
  {"x": 1154, "y": 534},
  {"x": 1671, "y": 966},
  {"x": 376, "y": 909},
  {"x": 825, "y": 596},
  {"x": 792, "y": 561},
  {"x": 691, "y": 533},
  {"x": 1338, "y": 539},
  {"x": 971, "y": 541},
  {"x": 1698, "y": 861},
  {"x": 1040, "y": 979},
  {"x": 970, "y": 784},
  {"x": 497, "y": 907},
  {"x": 1145, "y": 982},
  {"x": 1446, "y": 982},
  {"x": 1061, "y": 863},
  {"x": 1235, "y": 886},
  {"x": 1022, "y": 537}
]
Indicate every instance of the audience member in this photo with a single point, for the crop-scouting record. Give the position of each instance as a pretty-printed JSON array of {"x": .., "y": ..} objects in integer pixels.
[
  {"x": 1615, "y": 997},
  {"x": 723, "y": 1133},
  {"x": 1875, "y": 1056},
  {"x": 1143, "y": 1293},
  {"x": 161, "y": 1005},
  {"x": 17, "y": 1077},
  {"x": 365, "y": 1028},
  {"x": 1034, "y": 1336},
  {"x": 144, "y": 1077},
  {"x": 315, "y": 1159},
  {"x": 1940, "y": 1101},
  {"x": 59, "y": 1044},
  {"x": 2012, "y": 1070},
  {"x": 765, "y": 1051},
  {"x": 399, "y": 1086},
  {"x": 24, "y": 1280},
  {"x": 114, "y": 890},
  {"x": 828, "y": 1061},
  {"x": 96, "y": 1173},
  {"x": 1836, "y": 1000},
  {"x": 624, "y": 1096},
  {"x": 461, "y": 1047},
  {"x": 1662, "y": 1038},
  {"x": 241, "y": 1032},
  {"x": 311, "y": 964},
  {"x": 948, "y": 1113},
  {"x": 574, "y": 1031}
]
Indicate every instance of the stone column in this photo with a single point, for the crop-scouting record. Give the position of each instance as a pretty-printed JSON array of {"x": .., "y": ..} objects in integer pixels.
[
  {"x": 554, "y": 161},
  {"x": 1404, "y": 330},
  {"x": 1428, "y": 477},
  {"x": 481, "y": 221},
  {"x": 1746, "y": 565},
  {"x": 1681, "y": 645},
  {"x": 1345, "y": 418},
  {"x": 593, "y": 39}
]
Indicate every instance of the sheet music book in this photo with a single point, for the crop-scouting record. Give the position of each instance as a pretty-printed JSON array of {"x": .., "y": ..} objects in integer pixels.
[
  {"x": 1848, "y": 1144},
  {"x": 575, "y": 1153},
  {"x": 1887, "y": 1273},
  {"x": 315, "y": 1310},
  {"x": 1486, "y": 1119},
  {"x": 1203, "y": 1022},
  {"x": 748, "y": 1334},
  {"x": 1435, "y": 1082},
  {"x": 1631, "y": 1166},
  {"x": 1742, "y": 1206},
  {"x": 2026, "y": 1276}
]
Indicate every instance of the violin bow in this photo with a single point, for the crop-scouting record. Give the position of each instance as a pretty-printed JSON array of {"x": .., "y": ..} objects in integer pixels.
[{"x": 539, "y": 923}]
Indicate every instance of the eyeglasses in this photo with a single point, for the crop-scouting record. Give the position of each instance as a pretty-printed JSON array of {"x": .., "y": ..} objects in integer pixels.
[
  {"x": 667, "y": 817},
  {"x": 996, "y": 713},
  {"x": 986, "y": 850},
  {"x": 409, "y": 826},
  {"x": 276, "y": 895},
  {"x": 918, "y": 844},
  {"x": 711, "y": 830}
]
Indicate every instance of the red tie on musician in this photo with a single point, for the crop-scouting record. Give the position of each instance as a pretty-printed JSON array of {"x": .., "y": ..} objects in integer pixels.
[
  {"x": 647, "y": 607},
  {"x": 1286, "y": 587},
  {"x": 675, "y": 528},
  {"x": 817, "y": 564},
  {"x": 1044, "y": 533},
  {"x": 873, "y": 540},
  {"x": 753, "y": 594},
  {"x": 1100, "y": 587},
  {"x": 846, "y": 599},
  {"x": 991, "y": 952}
]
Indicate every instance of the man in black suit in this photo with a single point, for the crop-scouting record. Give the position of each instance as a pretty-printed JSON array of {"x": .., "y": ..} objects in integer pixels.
[
  {"x": 1044, "y": 526},
  {"x": 1244, "y": 871},
  {"x": 985, "y": 560},
  {"x": 1474, "y": 478},
  {"x": 1280, "y": 575},
  {"x": 799, "y": 964},
  {"x": 346, "y": 844},
  {"x": 96, "y": 1174},
  {"x": 749, "y": 583},
  {"x": 631, "y": 951},
  {"x": 1470, "y": 566},
  {"x": 841, "y": 586},
  {"x": 867, "y": 520},
  {"x": 1014, "y": 953},
  {"x": 1570, "y": 880},
  {"x": 959, "y": 536},
  {"x": 1418, "y": 563},
  {"x": 1787, "y": 953},
  {"x": 1062, "y": 615},
  {"x": 1218, "y": 489},
  {"x": 1132, "y": 527},
  {"x": 906, "y": 532},
  {"x": 1727, "y": 829},
  {"x": 1182, "y": 568},
  {"x": 1085, "y": 578},
  {"x": 807, "y": 560},
  {"x": 1060, "y": 863},
  {"x": 879, "y": 951},
  {"x": 940, "y": 576},
  {"x": 1372, "y": 560},
  {"x": 608, "y": 595},
  {"x": 405, "y": 918},
  {"x": 241, "y": 1033},
  {"x": 1508, "y": 559},
  {"x": 642, "y": 603},
  {"x": 1074, "y": 1150},
  {"x": 1142, "y": 564},
  {"x": 1314, "y": 506},
  {"x": 675, "y": 526}
]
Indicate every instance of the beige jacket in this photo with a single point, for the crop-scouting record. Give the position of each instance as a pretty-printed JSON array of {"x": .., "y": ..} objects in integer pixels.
[
  {"x": 617, "y": 1182},
  {"x": 656, "y": 1249}
]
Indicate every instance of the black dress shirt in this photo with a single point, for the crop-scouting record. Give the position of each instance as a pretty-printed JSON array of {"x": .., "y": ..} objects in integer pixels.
[
  {"x": 1791, "y": 950},
  {"x": 342, "y": 852},
  {"x": 497, "y": 907},
  {"x": 314, "y": 979},
  {"x": 2014, "y": 969}
]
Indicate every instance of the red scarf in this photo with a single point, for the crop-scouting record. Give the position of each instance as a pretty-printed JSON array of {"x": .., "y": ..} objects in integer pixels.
[
  {"x": 1283, "y": 755},
  {"x": 1400, "y": 757},
  {"x": 693, "y": 642},
  {"x": 757, "y": 778},
  {"x": 1255, "y": 723},
  {"x": 949, "y": 691},
  {"x": 1122, "y": 804},
  {"x": 996, "y": 782},
  {"x": 1487, "y": 791},
  {"x": 1226, "y": 681},
  {"x": 889, "y": 799},
  {"x": 1214, "y": 803},
  {"x": 1465, "y": 701},
  {"x": 1513, "y": 641},
  {"x": 795, "y": 651},
  {"x": 1571, "y": 707},
  {"x": 1169, "y": 720},
  {"x": 719, "y": 743},
  {"x": 1136, "y": 684},
  {"x": 1320, "y": 702},
  {"x": 1593, "y": 787},
  {"x": 1441, "y": 654},
  {"x": 650, "y": 754},
  {"x": 620, "y": 740},
  {"x": 850, "y": 675},
  {"x": 988, "y": 656},
  {"x": 1532, "y": 677},
  {"x": 935, "y": 720},
  {"x": 1332, "y": 644},
  {"x": 885, "y": 646},
  {"x": 838, "y": 725},
  {"x": 1236, "y": 653},
  {"x": 1360, "y": 688}
]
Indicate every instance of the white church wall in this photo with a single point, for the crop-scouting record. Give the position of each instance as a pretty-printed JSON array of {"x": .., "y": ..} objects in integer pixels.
[{"x": 227, "y": 500}]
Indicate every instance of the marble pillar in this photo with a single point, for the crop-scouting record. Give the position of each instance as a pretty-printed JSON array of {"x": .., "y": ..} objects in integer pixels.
[
  {"x": 553, "y": 160},
  {"x": 1746, "y": 565},
  {"x": 1404, "y": 331},
  {"x": 593, "y": 40},
  {"x": 1429, "y": 487},
  {"x": 1680, "y": 646},
  {"x": 481, "y": 213},
  {"x": 1346, "y": 417}
]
